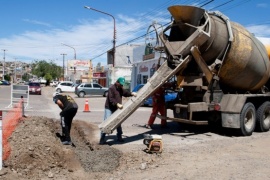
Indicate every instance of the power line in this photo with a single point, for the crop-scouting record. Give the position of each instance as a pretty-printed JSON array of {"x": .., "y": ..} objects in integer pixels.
[
  {"x": 142, "y": 26},
  {"x": 234, "y": 5},
  {"x": 206, "y": 2},
  {"x": 142, "y": 36},
  {"x": 153, "y": 13},
  {"x": 221, "y": 5}
]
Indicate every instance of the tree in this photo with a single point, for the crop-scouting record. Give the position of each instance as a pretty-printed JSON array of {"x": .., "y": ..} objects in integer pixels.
[
  {"x": 26, "y": 77},
  {"x": 7, "y": 77},
  {"x": 48, "y": 71},
  {"x": 48, "y": 78}
]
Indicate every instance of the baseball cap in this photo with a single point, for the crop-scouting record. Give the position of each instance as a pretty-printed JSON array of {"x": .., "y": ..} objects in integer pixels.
[
  {"x": 121, "y": 80},
  {"x": 54, "y": 96}
]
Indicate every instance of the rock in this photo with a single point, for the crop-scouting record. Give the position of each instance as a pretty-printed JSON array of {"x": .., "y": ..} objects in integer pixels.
[
  {"x": 143, "y": 166},
  {"x": 50, "y": 174}
]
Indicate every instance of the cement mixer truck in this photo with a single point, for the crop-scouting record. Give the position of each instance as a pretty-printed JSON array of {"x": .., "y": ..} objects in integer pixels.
[{"x": 221, "y": 68}]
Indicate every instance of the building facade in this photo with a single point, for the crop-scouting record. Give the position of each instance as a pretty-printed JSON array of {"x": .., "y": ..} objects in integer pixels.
[
  {"x": 122, "y": 66},
  {"x": 145, "y": 61}
]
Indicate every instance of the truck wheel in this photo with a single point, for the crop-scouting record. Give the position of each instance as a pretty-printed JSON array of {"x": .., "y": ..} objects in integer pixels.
[
  {"x": 263, "y": 117},
  {"x": 81, "y": 94},
  {"x": 247, "y": 119}
]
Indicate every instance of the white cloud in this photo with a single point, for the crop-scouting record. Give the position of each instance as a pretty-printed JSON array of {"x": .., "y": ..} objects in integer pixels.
[
  {"x": 37, "y": 22},
  {"x": 262, "y": 32},
  {"x": 264, "y": 40},
  {"x": 89, "y": 38}
]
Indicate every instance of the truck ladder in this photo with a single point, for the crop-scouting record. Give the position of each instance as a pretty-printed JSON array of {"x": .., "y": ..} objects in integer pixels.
[{"x": 157, "y": 80}]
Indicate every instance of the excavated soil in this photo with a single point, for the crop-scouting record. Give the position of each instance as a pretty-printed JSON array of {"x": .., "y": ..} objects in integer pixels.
[{"x": 37, "y": 152}]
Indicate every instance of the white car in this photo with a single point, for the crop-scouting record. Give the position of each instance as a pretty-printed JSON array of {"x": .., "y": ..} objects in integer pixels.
[
  {"x": 65, "y": 86},
  {"x": 54, "y": 83}
]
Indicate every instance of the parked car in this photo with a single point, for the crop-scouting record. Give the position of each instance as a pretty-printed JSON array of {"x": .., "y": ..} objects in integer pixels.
[
  {"x": 21, "y": 82},
  {"x": 65, "y": 86},
  {"x": 42, "y": 81},
  {"x": 54, "y": 83},
  {"x": 169, "y": 95},
  {"x": 34, "y": 88},
  {"x": 90, "y": 89},
  {"x": 3, "y": 82}
]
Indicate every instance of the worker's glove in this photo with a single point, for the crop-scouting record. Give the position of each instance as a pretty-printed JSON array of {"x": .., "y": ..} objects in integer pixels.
[
  {"x": 134, "y": 94},
  {"x": 119, "y": 106}
]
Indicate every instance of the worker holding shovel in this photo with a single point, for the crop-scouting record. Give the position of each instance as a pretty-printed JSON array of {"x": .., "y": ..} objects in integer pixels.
[{"x": 69, "y": 109}]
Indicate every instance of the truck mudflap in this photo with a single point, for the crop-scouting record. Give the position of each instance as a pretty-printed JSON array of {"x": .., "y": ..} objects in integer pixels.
[{"x": 156, "y": 81}]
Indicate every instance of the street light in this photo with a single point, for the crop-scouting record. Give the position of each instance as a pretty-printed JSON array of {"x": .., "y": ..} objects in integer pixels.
[
  {"x": 3, "y": 78},
  {"x": 72, "y": 48},
  {"x": 114, "y": 30},
  {"x": 63, "y": 65}
]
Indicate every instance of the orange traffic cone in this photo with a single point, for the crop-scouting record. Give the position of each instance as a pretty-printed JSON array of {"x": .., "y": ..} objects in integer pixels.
[{"x": 86, "y": 106}]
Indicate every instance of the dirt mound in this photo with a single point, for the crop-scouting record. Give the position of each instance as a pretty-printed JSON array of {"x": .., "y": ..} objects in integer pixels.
[{"x": 37, "y": 152}]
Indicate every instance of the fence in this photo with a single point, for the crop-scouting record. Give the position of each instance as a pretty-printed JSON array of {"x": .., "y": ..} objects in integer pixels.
[
  {"x": 17, "y": 93},
  {"x": 8, "y": 124}
]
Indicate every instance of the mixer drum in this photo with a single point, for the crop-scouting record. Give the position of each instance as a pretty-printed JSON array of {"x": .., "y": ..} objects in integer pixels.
[{"x": 245, "y": 66}]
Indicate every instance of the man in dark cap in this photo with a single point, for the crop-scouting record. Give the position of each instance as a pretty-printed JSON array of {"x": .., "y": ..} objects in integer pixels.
[
  {"x": 69, "y": 109},
  {"x": 114, "y": 102}
]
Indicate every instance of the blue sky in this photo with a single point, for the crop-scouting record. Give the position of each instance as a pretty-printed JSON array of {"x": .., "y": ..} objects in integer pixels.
[{"x": 35, "y": 29}]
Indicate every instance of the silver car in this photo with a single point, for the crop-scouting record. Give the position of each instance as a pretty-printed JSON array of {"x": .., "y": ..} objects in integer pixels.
[{"x": 90, "y": 89}]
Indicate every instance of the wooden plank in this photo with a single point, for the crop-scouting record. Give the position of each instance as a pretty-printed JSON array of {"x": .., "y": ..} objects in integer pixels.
[{"x": 156, "y": 81}]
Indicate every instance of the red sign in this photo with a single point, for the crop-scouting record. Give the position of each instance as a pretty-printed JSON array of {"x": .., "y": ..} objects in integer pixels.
[
  {"x": 99, "y": 75},
  {"x": 143, "y": 68},
  {"x": 149, "y": 56}
]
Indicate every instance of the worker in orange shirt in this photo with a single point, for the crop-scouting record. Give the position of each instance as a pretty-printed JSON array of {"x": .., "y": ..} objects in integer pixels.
[{"x": 159, "y": 106}]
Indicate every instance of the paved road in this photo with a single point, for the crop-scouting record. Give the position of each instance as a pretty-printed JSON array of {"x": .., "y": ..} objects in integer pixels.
[{"x": 175, "y": 135}]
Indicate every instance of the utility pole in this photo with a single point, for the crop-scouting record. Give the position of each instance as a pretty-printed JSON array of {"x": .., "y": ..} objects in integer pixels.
[
  {"x": 63, "y": 65},
  {"x": 3, "y": 78}
]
